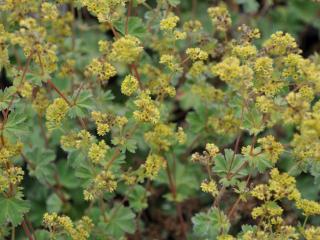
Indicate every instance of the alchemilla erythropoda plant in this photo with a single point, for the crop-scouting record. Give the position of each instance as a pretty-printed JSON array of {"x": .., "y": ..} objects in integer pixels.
[{"x": 135, "y": 119}]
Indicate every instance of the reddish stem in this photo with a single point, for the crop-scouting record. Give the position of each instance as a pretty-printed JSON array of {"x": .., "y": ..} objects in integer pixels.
[
  {"x": 26, "y": 230},
  {"x": 59, "y": 92}
]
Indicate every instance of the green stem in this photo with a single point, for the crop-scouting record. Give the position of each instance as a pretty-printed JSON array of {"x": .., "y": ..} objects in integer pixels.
[{"x": 305, "y": 221}]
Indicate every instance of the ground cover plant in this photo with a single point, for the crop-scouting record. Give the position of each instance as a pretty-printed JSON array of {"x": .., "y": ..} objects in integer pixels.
[{"x": 167, "y": 119}]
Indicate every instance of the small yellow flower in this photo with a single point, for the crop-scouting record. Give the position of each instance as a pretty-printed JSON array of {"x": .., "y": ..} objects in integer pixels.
[
  {"x": 308, "y": 207},
  {"x": 197, "y": 54},
  {"x": 209, "y": 187},
  {"x": 129, "y": 85},
  {"x": 103, "y": 122},
  {"x": 272, "y": 148},
  {"x": 147, "y": 109},
  {"x": 169, "y": 23},
  {"x": 280, "y": 43},
  {"x": 126, "y": 49},
  {"x": 56, "y": 113},
  {"x": 153, "y": 165},
  {"x": 49, "y": 11},
  {"x": 220, "y": 17},
  {"x": 212, "y": 149},
  {"x": 97, "y": 151}
]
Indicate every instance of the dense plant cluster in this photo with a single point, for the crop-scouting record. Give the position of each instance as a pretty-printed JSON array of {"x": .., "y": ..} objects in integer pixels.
[{"x": 127, "y": 119}]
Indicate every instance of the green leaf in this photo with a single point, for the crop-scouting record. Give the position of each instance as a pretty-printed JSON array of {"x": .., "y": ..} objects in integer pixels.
[
  {"x": 229, "y": 163},
  {"x": 83, "y": 105},
  {"x": 174, "y": 2},
  {"x": 15, "y": 126},
  {"x": 196, "y": 121},
  {"x": 185, "y": 179},
  {"x": 41, "y": 164},
  {"x": 67, "y": 176},
  {"x": 54, "y": 203},
  {"x": 138, "y": 198},
  {"x": 42, "y": 234},
  {"x": 129, "y": 144},
  {"x": 209, "y": 225},
  {"x": 36, "y": 79},
  {"x": 12, "y": 210},
  {"x": 121, "y": 221},
  {"x": 84, "y": 172},
  {"x": 253, "y": 121},
  {"x": 249, "y": 6},
  {"x": 258, "y": 161},
  {"x": 136, "y": 27},
  {"x": 6, "y": 97}
]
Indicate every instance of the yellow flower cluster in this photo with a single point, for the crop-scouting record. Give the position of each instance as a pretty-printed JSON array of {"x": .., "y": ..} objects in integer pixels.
[
  {"x": 192, "y": 26},
  {"x": 80, "y": 231},
  {"x": 68, "y": 68},
  {"x": 312, "y": 233},
  {"x": 178, "y": 35},
  {"x": 248, "y": 34},
  {"x": 104, "y": 10},
  {"x": 103, "y": 182},
  {"x": 56, "y": 113},
  {"x": 26, "y": 90},
  {"x": 104, "y": 46},
  {"x": 308, "y": 207},
  {"x": 102, "y": 69},
  {"x": 153, "y": 165},
  {"x": 169, "y": 23},
  {"x": 283, "y": 232},
  {"x": 220, "y": 17},
  {"x": 206, "y": 158},
  {"x": 197, "y": 69},
  {"x": 296, "y": 67},
  {"x": 230, "y": 71},
  {"x": 225, "y": 124},
  {"x": 129, "y": 85},
  {"x": 272, "y": 148},
  {"x": 306, "y": 144},
  {"x": 171, "y": 62},
  {"x": 283, "y": 185},
  {"x": 196, "y": 54},
  {"x": 160, "y": 138},
  {"x": 103, "y": 122},
  {"x": 263, "y": 68},
  {"x": 8, "y": 151},
  {"x": 207, "y": 92},
  {"x": 97, "y": 152},
  {"x": 280, "y": 44},
  {"x": 181, "y": 136},
  {"x": 78, "y": 140},
  {"x": 120, "y": 121},
  {"x": 264, "y": 104},
  {"x": 245, "y": 51},
  {"x": 126, "y": 49},
  {"x": 40, "y": 102},
  {"x": 297, "y": 108},
  {"x": 209, "y": 187},
  {"x": 225, "y": 237},
  {"x": 48, "y": 58},
  {"x": 160, "y": 82},
  {"x": 10, "y": 177},
  {"x": 163, "y": 136},
  {"x": 268, "y": 210},
  {"x": 49, "y": 12},
  {"x": 148, "y": 111},
  {"x": 212, "y": 149},
  {"x": 279, "y": 186}
]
